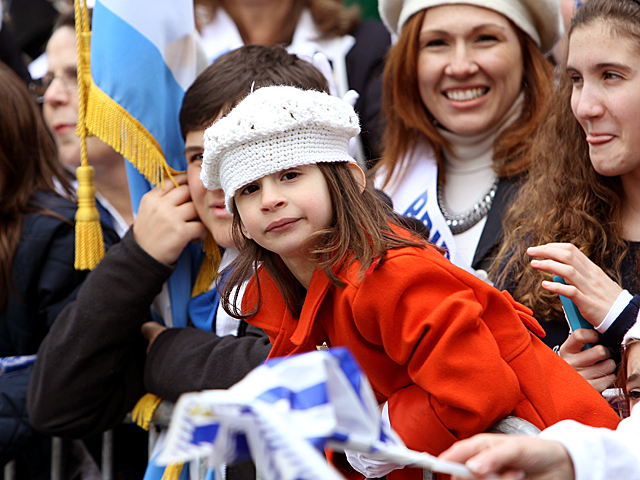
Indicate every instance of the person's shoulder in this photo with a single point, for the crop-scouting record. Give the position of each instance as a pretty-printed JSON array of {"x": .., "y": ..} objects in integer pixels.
[
  {"x": 372, "y": 30},
  {"x": 51, "y": 211}
]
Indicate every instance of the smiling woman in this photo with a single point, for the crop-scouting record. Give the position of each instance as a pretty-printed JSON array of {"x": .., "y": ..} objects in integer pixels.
[
  {"x": 464, "y": 89},
  {"x": 577, "y": 214}
]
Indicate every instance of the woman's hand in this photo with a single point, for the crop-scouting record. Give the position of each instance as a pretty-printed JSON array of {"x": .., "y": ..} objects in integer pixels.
[
  {"x": 167, "y": 221},
  {"x": 587, "y": 285},
  {"x": 512, "y": 457},
  {"x": 594, "y": 364}
]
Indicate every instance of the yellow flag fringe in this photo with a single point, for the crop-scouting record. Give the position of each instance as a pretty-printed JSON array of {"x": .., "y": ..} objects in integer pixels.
[
  {"x": 88, "y": 239},
  {"x": 106, "y": 119},
  {"x": 209, "y": 267},
  {"x": 142, "y": 413},
  {"x": 172, "y": 472}
]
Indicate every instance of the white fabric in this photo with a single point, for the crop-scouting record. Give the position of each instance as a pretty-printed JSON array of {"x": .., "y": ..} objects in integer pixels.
[
  {"x": 633, "y": 333},
  {"x": 599, "y": 453},
  {"x": 469, "y": 173},
  {"x": 226, "y": 324},
  {"x": 540, "y": 19},
  {"x": 413, "y": 187},
  {"x": 373, "y": 467},
  {"x": 179, "y": 36},
  {"x": 614, "y": 312},
  {"x": 273, "y": 129}
]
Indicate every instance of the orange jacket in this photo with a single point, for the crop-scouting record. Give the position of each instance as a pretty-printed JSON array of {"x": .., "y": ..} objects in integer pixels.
[{"x": 450, "y": 353}]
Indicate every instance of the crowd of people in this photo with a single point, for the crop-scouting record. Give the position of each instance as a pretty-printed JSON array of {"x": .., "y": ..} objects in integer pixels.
[{"x": 495, "y": 152}]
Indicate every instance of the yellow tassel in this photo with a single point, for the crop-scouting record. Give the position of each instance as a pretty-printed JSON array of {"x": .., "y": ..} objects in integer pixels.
[
  {"x": 89, "y": 241},
  {"x": 209, "y": 267},
  {"x": 172, "y": 472},
  {"x": 142, "y": 413}
]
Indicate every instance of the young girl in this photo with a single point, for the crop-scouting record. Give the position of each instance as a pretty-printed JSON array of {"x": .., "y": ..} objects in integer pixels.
[
  {"x": 329, "y": 266},
  {"x": 577, "y": 214}
]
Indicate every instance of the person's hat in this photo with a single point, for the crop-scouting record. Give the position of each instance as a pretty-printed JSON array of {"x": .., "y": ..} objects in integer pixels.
[
  {"x": 273, "y": 129},
  {"x": 540, "y": 19}
]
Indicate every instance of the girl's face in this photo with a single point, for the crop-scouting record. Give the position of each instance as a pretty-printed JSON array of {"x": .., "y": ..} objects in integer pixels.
[
  {"x": 209, "y": 203},
  {"x": 633, "y": 373},
  {"x": 281, "y": 211},
  {"x": 605, "y": 72},
  {"x": 470, "y": 67}
]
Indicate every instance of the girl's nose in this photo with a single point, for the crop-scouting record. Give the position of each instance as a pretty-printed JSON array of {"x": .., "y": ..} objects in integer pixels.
[
  {"x": 588, "y": 102},
  {"x": 270, "y": 196}
]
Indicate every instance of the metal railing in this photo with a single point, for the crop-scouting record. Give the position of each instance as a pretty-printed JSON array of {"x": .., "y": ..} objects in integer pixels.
[{"x": 162, "y": 416}]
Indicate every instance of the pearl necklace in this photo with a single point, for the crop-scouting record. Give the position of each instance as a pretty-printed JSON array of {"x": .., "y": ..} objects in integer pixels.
[{"x": 464, "y": 221}]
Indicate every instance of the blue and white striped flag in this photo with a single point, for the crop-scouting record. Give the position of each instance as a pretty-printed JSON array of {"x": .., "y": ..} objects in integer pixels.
[
  {"x": 283, "y": 409},
  {"x": 144, "y": 55}
]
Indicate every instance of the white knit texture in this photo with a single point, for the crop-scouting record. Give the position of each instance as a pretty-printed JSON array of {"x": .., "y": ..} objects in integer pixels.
[
  {"x": 540, "y": 19},
  {"x": 273, "y": 129}
]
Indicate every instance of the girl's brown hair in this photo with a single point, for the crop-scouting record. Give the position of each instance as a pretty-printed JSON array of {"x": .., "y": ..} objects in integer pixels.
[
  {"x": 623, "y": 374},
  {"x": 331, "y": 17},
  {"x": 564, "y": 199},
  {"x": 408, "y": 121},
  {"x": 28, "y": 163},
  {"x": 362, "y": 230}
]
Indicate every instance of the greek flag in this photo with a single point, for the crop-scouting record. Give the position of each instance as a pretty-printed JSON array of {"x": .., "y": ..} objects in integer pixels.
[
  {"x": 144, "y": 55},
  {"x": 283, "y": 414}
]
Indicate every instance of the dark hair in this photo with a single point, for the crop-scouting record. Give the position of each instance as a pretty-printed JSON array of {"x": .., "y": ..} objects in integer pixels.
[
  {"x": 232, "y": 77},
  {"x": 408, "y": 121},
  {"x": 362, "y": 230},
  {"x": 28, "y": 163},
  {"x": 564, "y": 199},
  {"x": 622, "y": 375}
]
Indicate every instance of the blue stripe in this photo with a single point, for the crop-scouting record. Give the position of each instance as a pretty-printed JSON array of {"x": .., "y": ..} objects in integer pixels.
[
  {"x": 131, "y": 70},
  {"x": 313, "y": 396},
  {"x": 205, "y": 434}
]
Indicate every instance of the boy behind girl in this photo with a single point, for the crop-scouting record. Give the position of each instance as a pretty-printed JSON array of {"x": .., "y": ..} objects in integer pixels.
[{"x": 94, "y": 365}]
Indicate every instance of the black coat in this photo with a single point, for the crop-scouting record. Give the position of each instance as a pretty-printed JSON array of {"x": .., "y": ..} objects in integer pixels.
[
  {"x": 93, "y": 367},
  {"x": 44, "y": 282}
]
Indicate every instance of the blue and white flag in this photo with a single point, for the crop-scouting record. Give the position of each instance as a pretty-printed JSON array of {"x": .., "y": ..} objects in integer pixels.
[
  {"x": 283, "y": 409},
  {"x": 144, "y": 55}
]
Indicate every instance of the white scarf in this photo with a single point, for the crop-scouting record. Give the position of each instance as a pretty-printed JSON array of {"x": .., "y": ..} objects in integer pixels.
[{"x": 413, "y": 188}]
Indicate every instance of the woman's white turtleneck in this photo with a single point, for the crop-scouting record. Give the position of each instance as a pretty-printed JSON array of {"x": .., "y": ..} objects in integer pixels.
[{"x": 469, "y": 173}]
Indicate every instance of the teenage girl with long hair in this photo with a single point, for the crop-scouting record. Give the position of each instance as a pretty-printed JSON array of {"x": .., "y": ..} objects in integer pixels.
[{"x": 577, "y": 214}]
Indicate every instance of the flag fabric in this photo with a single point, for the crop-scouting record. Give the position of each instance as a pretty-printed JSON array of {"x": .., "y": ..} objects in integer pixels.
[
  {"x": 144, "y": 55},
  {"x": 283, "y": 414}
]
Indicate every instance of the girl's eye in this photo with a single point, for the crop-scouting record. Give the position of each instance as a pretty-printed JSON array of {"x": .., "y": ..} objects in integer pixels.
[
  {"x": 290, "y": 175},
  {"x": 195, "y": 159},
  {"x": 611, "y": 76},
  {"x": 249, "y": 189},
  {"x": 634, "y": 394},
  {"x": 575, "y": 79}
]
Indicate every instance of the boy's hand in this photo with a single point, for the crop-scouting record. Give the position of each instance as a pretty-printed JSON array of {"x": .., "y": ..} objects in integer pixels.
[
  {"x": 167, "y": 221},
  {"x": 150, "y": 330}
]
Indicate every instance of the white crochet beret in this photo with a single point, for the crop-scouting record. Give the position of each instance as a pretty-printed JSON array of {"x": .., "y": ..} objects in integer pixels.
[
  {"x": 273, "y": 129},
  {"x": 540, "y": 19}
]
